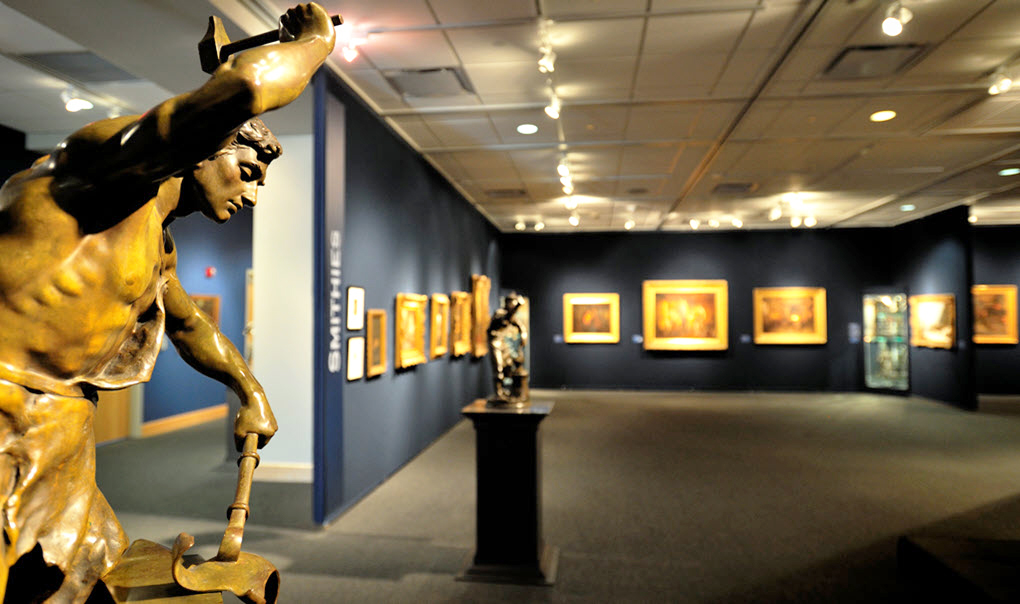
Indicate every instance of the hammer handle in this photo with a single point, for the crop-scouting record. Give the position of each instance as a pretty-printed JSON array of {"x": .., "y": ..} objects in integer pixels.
[
  {"x": 261, "y": 39},
  {"x": 238, "y": 511}
]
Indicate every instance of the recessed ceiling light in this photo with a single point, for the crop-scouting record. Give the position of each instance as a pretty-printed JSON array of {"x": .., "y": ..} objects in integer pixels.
[
  {"x": 908, "y": 207},
  {"x": 527, "y": 128},
  {"x": 629, "y": 224},
  {"x": 882, "y": 116},
  {"x": 1009, "y": 171},
  {"x": 972, "y": 219}
]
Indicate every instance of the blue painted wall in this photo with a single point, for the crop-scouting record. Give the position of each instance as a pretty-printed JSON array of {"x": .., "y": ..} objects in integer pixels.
[
  {"x": 175, "y": 387},
  {"x": 997, "y": 262},
  {"x": 406, "y": 230}
]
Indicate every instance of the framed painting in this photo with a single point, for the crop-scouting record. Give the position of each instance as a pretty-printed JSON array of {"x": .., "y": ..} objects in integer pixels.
[
  {"x": 994, "y": 314},
  {"x": 685, "y": 315},
  {"x": 591, "y": 318},
  {"x": 375, "y": 342},
  {"x": 932, "y": 320},
  {"x": 790, "y": 315},
  {"x": 209, "y": 304},
  {"x": 355, "y": 308},
  {"x": 480, "y": 286},
  {"x": 439, "y": 334},
  {"x": 355, "y": 358},
  {"x": 409, "y": 330},
  {"x": 460, "y": 322}
]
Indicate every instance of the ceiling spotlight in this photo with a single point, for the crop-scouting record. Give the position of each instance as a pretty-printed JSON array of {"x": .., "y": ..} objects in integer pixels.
[
  {"x": 73, "y": 102},
  {"x": 775, "y": 213},
  {"x": 1009, "y": 171},
  {"x": 520, "y": 226},
  {"x": 737, "y": 223},
  {"x": 563, "y": 169},
  {"x": 527, "y": 128},
  {"x": 574, "y": 220},
  {"x": 794, "y": 198},
  {"x": 972, "y": 219},
  {"x": 896, "y": 16},
  {"x": 713, "y": 223},
  {"x": 795, "y": 221},
  {"x": 539, "y": 225},
  {"x": 882, "y": 116},
  {"x": 1000, "y": 83},
  {"x": 810, "y": 221},
  {"x": 629, "y": 224},
  {"x": 350, "y": 53},
  {"x": 695, "y": 223},
  {"x": 553, "y": 108},
  {"x": 570, "y": 203},
  {"x": 547, "y": 62},
  {"x": 908, "y": 207},
  {"x": 568, "y": 189}
]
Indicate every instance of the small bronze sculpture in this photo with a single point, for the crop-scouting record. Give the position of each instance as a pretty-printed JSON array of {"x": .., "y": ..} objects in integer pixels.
[
  {"x": 508, "y": 339},
  {"x": 88, "y": 286}
]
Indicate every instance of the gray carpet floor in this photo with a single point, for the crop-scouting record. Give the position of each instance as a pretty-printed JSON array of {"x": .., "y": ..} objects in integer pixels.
[{"x": 651, "y": 497}]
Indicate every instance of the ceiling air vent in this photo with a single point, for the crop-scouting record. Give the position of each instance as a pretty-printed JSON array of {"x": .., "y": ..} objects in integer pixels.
[
  {"x": 430, "y": 83},
  {"x": 734, "y": 188},
  {"x": 505, "y": 193},
  {"x": 857, "y": 62}
]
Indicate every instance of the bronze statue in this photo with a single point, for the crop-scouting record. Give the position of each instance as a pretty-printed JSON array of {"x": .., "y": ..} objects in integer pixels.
[
  {"x": 88, "y": 287},
  {"x": 508, "y": 339}
]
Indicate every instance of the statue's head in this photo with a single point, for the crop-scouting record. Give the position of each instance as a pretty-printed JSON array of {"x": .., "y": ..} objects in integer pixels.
[{"x": 221, "y": 185}]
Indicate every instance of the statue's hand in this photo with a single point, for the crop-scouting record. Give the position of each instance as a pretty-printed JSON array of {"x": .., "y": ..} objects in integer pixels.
[
  {"x": 254, "y": 416},
  {"x": 306, "y": 20}
]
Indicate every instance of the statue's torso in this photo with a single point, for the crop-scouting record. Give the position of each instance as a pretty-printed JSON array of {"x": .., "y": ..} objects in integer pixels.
[{"x": 70, "y": 300}]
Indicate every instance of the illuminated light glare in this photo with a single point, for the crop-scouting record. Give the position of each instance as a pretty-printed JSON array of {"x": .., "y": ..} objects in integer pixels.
[
  {"x": 810, "y": 221},
  {"x": 775, "y": 213},
  {"x": 794, "y": 198},
  {"x": 563, "y": 169},
  {"x": 1009, "y": 171},
  {"x": 553, "y": 108},
  {"x": 350, "y": 53},
  {"x": 695, "y": 223},
  {"x": 738, "y": 223},
  {"x": 570, "y": 203},
  {"x": 972, "y": 219},
  {"x": 520, "y": 226},
  {"x": 547, "y": 62},
  {"x": 795, "y": 221},
  {"x": 882, "y": 116},
  {"x": 527, "y": 128},
  {"x": 568, "y": 189},
  {"x": 574, "y": 220},
  {"x": 629, "y": 224},
  {"x": 566, "y": 180},
  {"x": 539, "y": 225},
  {"x": 908, "y": 207},
  {"x": 713, "y": 223},
  {"x": 76, "y": 105},
  {"x": 895, "y": 18},
  {"x": 892, "y": 26}
]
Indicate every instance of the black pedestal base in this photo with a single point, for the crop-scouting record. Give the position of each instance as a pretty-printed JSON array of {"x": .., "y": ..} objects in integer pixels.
[
  {"x": 543, "y": 573},
  {"x": 962, "y": 569}
]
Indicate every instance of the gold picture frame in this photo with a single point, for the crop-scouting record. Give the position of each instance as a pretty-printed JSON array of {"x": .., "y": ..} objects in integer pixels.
[
  {"x": 790, "y": 315},
  {"x": 375, "y": 342},
  {"x": 685, "y": 314},
  {"x": 932, "y": 320},
  {"x": 460, "y": 322},
  {"x": 409, "y": 330},
  {"x": 209, "y": 304},
  {"x": 591, "y": 318},
  {"x": 480, "y": 287},
  {"x": 995, "y": 319},
  {"x": 439, "y": 334}
]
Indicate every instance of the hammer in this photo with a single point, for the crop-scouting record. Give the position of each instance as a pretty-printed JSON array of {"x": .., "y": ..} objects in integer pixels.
[{"x": 215, "y": 46}]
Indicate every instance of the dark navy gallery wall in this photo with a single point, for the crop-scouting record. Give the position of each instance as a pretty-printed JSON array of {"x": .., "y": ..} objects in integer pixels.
[
  {"x": 175, "y": 387},
  {"x": 13, "y": 155},
  {"x": 935, "y": 257},
  {"x": 997, "y": 262},
  {"x": 406, "y": 230},
  {"x": 844, "y": 262}
]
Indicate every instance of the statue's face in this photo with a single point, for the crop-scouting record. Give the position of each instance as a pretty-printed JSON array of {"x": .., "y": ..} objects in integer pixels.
[{"x": 227, "y": 182}]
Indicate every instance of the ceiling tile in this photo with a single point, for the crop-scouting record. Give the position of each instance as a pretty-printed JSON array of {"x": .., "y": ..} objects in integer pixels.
[
  {"x": 594, "y": 122},
  {"x": 506, "y": 123},
  {"x": 998, "y": 20},
  {"x": 963, "y": 61},
  {"x": 571, "y": 8},
  {"x": 608, "y": 78},
  {"x": 456, "y": 131},
  {"x": 22, "y": 35},
  {"x": 932, "y": 22},
  {"x": 409, "y": 50},
  {"x": 520, "y": 79},
  {"x": 995, "y": 113},
  {"x": 375, "y": 86},
  {"x": 651, "y": 159},
  {"x": 594, "y": 39},
  {"x": 415, "y": 129},
  {"x": 510, "y": 44},
  {"x": 695, "y": 34},
  {"x": 381, "y": 13},
  {"x": 486, "y": 165},
  {"x": 678, "y": 76},
  {"x": 679, "y": 121},
  {"x": 769, "y": 26},
  {"x": 472, "y": 11}
]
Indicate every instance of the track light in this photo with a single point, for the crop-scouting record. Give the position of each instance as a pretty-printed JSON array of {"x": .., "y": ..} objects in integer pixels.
[
  {"x": 810, "y": 221},
  {"x": 539, "y": 225},
  {"x": 73, "y": 102},
  {"x": 570, "y": 203},
  {"x": 775, "y": 213},
  {"x": 547, "y": 62},
  {"x": 629, "y": 224},
  {"x": 553, "y": 108},
  {"x": 564, "y": 168},
  {"x": 695, "y": 223},
  {"x": 737, "y": 223},
  {"x": 520, "y": 226},
  {"x": 568, "y": 189},
  {"x": 1000, "y": 83},
  {"x": 350, "y": 53},
  {"x": 713, "y": 223},
  {"x": 795, "y": 221},
  {"x": 896, "y": 16},
  {"x": 574, "y": 220}
]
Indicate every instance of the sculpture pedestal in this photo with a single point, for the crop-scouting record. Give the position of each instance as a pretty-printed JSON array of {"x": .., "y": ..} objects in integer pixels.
[{"x": 509, "y": 546}]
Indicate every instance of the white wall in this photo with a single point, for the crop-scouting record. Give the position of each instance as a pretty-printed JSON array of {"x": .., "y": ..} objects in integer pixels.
[{"x": 284, "y": 271}]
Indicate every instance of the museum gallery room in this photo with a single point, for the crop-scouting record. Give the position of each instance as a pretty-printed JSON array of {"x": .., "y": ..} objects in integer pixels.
[{"x": 757, "y": 259}]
